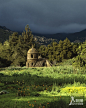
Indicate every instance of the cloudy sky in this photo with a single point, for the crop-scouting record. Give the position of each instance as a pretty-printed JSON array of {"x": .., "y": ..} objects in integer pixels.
[{"x": 44, "y": 16}]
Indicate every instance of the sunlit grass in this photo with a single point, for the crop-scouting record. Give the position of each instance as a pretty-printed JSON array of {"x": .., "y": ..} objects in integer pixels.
[{"x": 24, "y": 87}]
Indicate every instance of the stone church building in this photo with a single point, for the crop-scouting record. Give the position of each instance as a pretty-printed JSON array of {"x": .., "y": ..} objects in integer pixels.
[{"x": 34, "y": 60}]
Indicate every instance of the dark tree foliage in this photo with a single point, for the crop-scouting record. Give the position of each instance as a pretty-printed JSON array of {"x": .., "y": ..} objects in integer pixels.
[
  {"x": 17, "y": 46},
  {"x": 80, "y": 60},
  {"x": 15, "y": 49},
  {"x": 58, "y": 52},
  {"x": 24, "y": 43},
  {"x": 67, "y": 48},
  {"x": 5, "y": 52},
  {"x": 60, "y": 46},
  {"x": 4, "y": 62}
]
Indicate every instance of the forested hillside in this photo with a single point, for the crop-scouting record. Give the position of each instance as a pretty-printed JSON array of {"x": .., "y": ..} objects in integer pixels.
[
  {"x": 14, "y": 50},
  {"x": 5, "y": 33},
  {"x": 45, "y": 39}
]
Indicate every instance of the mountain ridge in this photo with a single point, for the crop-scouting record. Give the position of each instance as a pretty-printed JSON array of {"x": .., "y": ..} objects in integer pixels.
[{"x": 46, "y": 39}]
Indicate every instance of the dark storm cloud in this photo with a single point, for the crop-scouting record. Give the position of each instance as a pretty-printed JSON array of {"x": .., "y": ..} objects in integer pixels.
[{"x": 44, "y": 16}]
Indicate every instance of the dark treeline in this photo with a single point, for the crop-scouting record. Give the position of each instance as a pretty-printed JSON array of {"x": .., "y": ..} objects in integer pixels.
[
  {"x": 63, "y": 50},
  {"x": 14, "y": 50}
]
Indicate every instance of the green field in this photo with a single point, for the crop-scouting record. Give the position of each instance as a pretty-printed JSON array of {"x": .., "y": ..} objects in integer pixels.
[{"x": 45, "y": 87}]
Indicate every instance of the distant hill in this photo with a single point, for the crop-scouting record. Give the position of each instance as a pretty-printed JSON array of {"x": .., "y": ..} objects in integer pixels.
[
  {"x": 46, "y": 39},
  {"x": 73, "y": 37},
  {"x": 4, "y": 33}
]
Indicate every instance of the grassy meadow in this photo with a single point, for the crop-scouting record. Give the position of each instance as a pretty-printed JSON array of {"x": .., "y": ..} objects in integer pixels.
[{"x": 44, "y": 87}]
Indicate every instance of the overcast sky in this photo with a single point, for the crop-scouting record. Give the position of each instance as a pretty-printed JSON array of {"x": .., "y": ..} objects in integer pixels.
[{"x": 44, "y": 16}]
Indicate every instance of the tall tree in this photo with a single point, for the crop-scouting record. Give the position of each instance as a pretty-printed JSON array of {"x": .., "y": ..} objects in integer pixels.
[
  {"x": 60, "y": 46},
  {"x": 67, "y": 48}
]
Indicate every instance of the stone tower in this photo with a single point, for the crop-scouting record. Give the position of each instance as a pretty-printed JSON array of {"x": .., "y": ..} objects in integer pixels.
[{"x": 32, "y": 57}]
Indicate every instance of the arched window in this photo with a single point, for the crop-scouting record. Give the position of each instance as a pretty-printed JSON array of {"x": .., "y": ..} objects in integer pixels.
[
  {"x": 43, "y": 64},
  {"x": 28, "y": 64},
  {"x": 32, "y": 64},
  {"x": 31, "y": 55}
]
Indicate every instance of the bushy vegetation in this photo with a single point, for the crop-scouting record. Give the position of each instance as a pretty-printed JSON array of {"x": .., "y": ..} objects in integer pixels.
[
  {"x": 15, "y": 49},
  {"x": 80, "y": 60},
  {"x": 58, "y": 52}
]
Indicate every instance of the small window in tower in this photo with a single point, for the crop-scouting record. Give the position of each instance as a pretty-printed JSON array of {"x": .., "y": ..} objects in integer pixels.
[
  {"x": 28, "y": 64},
  {"x": 43, "y": 64},
  {"x": 31, "y": 55},
  {"x": 32, "y": 64}
]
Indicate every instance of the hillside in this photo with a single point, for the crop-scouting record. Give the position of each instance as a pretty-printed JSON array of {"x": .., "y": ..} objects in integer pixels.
[
  {"x": 73, "y": 37},
  {"x": 5, "y": 32},
  {"x": 45, "y": 39}
]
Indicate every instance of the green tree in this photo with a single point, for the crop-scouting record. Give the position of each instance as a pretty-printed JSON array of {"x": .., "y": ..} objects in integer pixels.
[
  {"x": 67, "y": 45},
  {"x": 69, "y": 54},
  {"x": 5, "y": 53},
  {"x": 60, "y": 46},
  {"x": 74, "y": 47},
  {"x": 5, "y": 58},
  {"x": 13, "y": 39},
  {"x": 1, "y": 47},
  {"x": 20, "y": 44},
  {"x": 67, "y": 48},
  {"x": 63, "y": 54},
  {"x": 79, "y": 62}
]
